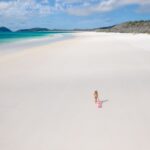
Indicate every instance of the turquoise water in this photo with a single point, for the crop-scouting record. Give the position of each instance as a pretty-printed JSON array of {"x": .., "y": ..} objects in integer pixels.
[
  {"x": 14, "y": 41},
  {"x": 13, "y": 36}
]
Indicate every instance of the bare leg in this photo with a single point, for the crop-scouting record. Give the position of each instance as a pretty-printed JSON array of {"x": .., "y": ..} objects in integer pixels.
[{"x": 95, "y": 100}]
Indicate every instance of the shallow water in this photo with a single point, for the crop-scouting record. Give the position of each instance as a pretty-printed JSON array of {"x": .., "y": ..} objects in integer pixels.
[
  {"x": 6, "y": 37},
  {"x": 19, "y": 41}
]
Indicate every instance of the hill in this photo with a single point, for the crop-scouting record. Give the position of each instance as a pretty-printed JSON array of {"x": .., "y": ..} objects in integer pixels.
[
  {"x": 129, "y": 27},
  {"x": 4, "y": 29},
  {"x": 34, "y": 30}
]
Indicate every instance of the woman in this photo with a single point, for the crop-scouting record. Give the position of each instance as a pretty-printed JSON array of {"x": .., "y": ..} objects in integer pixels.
[
  {"x": 96, "y": 96},
  {"x": 97, "y": 100}
]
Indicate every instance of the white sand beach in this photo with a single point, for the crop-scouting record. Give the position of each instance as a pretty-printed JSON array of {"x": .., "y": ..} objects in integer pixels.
[{"x": 46, "y": 94}]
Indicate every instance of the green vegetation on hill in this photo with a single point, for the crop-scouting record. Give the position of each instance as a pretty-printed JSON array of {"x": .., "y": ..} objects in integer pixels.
[
  {"x": 129, "y": 27},
  {"x": 34, "y": 30},
  {"x": 4, "y": 29}
]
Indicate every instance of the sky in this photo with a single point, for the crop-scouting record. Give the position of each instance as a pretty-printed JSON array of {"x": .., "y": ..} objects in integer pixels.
[{"x": 70, "y": 14}]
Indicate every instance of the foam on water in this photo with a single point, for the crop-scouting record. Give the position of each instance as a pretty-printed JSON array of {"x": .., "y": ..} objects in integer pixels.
[{"x": 18, "y": 41}]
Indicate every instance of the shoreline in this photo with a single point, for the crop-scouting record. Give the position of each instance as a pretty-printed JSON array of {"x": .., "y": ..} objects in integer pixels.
[
  {"x": 24, "y": 44},
  {"x": 28, "y": 43}
]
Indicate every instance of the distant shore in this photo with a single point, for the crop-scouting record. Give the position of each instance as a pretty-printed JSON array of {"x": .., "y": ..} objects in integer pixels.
[{"x": 139, "y": 26}]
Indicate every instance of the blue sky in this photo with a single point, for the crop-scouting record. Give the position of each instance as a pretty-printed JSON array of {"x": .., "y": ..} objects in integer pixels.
[{"x": 68, "y": 14}]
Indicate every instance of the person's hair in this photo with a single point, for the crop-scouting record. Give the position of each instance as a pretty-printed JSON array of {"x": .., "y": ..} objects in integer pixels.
[{"x": 96, "y": 92}]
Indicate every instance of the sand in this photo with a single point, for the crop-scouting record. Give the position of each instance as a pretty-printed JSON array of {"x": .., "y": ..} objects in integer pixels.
[{"x": 46, "y": 94}]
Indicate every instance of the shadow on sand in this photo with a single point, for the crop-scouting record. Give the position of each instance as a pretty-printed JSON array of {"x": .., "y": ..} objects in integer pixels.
[{"x": 106, "y": 100}]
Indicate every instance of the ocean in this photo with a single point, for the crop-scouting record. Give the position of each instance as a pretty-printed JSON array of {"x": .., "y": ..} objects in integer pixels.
[
  {"x": 6, "y": 37},
  {"x": 12, "y": 41}
]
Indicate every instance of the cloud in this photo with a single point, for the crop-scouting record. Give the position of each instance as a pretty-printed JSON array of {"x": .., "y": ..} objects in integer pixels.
[
  {"x": 106, "y": 6},
  {"x": 23, "y": 9},
  {"x": 28, "y": 8}
]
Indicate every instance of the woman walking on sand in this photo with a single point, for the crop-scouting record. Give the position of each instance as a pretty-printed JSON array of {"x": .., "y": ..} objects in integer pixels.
[
  {"x": 97, "y": 100},
  {"x": 96, "y": 96}
]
